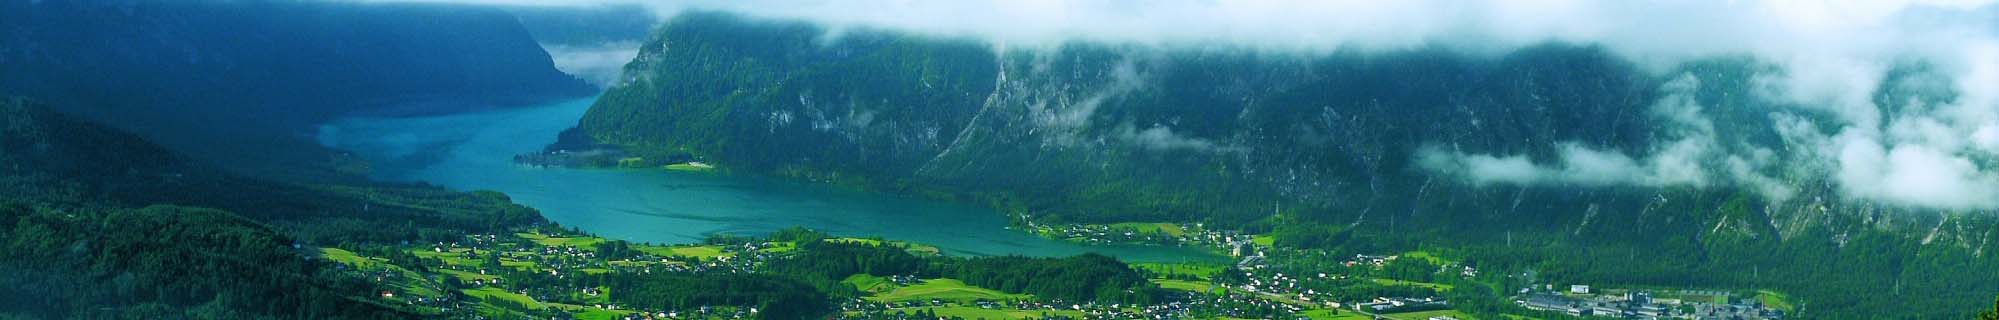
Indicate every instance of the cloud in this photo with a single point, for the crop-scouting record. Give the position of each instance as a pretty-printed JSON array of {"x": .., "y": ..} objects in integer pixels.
[
  {"x": 1914, "y": 175},
  {"x": 1682, "y": 161},
  {"x": 1828, "y": 62},
  {"x": 600, "y": 65},
  {"x": 1577, "y": 165},
  {"x": 1161, "y": 138}
]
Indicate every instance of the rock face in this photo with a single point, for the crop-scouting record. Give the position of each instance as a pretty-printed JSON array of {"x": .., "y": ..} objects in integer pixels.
[
  {"x": 1095, "y": 132},
  {"x": 1383, "y": 148},
  {"x": 231, "y": 81}
]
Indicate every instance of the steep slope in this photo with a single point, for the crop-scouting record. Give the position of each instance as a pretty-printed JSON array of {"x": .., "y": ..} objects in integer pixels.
[
  {"x": 164, "y": 262},
  {"x": 242, "y": 82},
  {"x": 1372, "y": 150},
  {"x": 48, "y": 157},
  {"x": 84, "y": 238}
]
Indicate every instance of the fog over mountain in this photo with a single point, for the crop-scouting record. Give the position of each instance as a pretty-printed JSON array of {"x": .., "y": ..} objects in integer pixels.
[
  {"x": 898, "y": 159},
  {"x": 1930, "y": 146}
]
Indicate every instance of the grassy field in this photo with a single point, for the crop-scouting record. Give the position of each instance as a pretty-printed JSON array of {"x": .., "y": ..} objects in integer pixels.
[
  {"x": 701, "y": 252},
  {"x": 926, "y": 251},
  {"x": 708, "y": 252},
  {"x": 1199, "y": 270},
  {"x": 1425, "y": 315},
  {"x": 1150, "y": 228},
  {"x": 406, "y": 283},
  {"x": 1183, "y": 285},
  {"x": 484, "y": 293},
  {"x": 345, "y": 257},
  {"x": 454, "y": 257},
  {"x": 466, "y": 276},
  {"x": 1426, "y": 256},
  {"x": 779, "y": 247},
  {"x": 601, "y": 314},
  {"x": 869, "y": 283},
  {"x": 995, "y": 314},
  {"x": 1322, "y": 314},
  {"x": 1264, "y": 240},
  {"x": 1775, "y": 300},
  {"x": 1393, "y": 282},
  {"x": 945, "y": 289},
  {"x": 586, "y": 243}
]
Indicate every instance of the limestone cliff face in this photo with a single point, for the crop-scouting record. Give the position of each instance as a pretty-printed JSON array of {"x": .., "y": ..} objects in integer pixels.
[
  {"x": 1379, "y": 148},
  {"x": 1174, "y": 134}
]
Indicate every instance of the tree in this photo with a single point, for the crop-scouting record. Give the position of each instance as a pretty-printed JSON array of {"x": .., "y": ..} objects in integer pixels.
[{"x": 1990, "y": 314}]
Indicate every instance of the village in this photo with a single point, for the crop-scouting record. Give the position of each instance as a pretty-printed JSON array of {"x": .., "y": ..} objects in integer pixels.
[
  {"x": 491, "y": 270},
  {"x": 517, "y": 275},
  {"x": 1582, "y": 300}
]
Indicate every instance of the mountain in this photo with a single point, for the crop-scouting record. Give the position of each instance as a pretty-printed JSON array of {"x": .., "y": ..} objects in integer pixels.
[
  {"x": 52, "y": 158},
  {"x": 591, "y": 42},
  {"x": 583, "y": 26},
  {"x": 241, "y": 83},
  {"x": 1354, "y": 150},
  {"x": 101, "y": 223}
]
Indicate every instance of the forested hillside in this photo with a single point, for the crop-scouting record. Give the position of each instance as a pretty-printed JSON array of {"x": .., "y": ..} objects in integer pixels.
[
  {"x": 1354, "y": 150},
  {"x": 243, "y": 83},
  {"x": 164, "y": 262},
  {"x": 101, "y": 223}
]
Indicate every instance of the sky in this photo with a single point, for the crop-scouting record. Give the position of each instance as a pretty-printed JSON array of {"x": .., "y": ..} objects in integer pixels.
[{"x": 1831, "y": 56}]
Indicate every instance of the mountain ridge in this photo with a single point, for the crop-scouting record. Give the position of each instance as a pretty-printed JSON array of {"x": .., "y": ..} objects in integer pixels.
[
  {"x": 242, "y": 83},
  {"x": 1395, "y": 148}
]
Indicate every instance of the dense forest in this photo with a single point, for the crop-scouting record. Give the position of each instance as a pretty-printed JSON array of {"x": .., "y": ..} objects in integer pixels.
[
  {"x": 155, "y": 163},
  {"x": 1339, "y": 150},
  {"x": 1083, "y": 278},
  {"x": 244, "y": 84},
  {"x": 93, "y": 230},
  {"x": 126, "y": 199},
  {"x": 165, "y": 262},
  {"x": 150, "y": 234}
]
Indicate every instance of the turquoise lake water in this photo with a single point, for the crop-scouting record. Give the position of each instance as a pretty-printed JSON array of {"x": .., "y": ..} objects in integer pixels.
[{"x": 474, "y": 151}]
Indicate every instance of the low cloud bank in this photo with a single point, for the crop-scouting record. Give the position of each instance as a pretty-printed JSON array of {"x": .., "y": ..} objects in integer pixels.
[
  {"x": 600, "y": 65},
  {"x": 1829, "y": 59}
]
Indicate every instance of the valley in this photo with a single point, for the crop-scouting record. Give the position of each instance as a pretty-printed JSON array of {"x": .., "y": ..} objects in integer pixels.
[
  {"x": 473, "y": 151},
  {"x": 495, "y": 159}
]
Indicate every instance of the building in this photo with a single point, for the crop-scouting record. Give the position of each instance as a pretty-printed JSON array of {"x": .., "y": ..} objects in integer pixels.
[{"x": 1547, "y": 302}]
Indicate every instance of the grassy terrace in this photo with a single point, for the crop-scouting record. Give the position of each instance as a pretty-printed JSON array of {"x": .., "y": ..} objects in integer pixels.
[
  {"x": 404, "y": 283},
  {"x": 869, "y": 283},
  {"x": 585, "y": 243},
  {"x": 1267, "y": 241},
  {"x": 345, "y": 257},
  {"x": 705, "y": 253},
  {"x": 484, "y": 293},
  {"x": 1198, "y": 270},
  {"x": 947, "y": 290},
  {"x": 1184, "y": 285},
  {"x": 978, "y": 313}
]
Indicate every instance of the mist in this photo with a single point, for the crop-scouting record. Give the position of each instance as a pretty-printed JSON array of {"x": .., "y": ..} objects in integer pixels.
[{"x": 1828, "y": 58}]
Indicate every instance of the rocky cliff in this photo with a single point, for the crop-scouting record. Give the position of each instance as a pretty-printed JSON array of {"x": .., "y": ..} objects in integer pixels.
[{"x": 1686, "y": 173}]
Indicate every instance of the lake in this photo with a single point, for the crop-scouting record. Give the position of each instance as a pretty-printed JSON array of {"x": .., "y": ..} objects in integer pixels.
[{"x": 474, "y": 151}]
